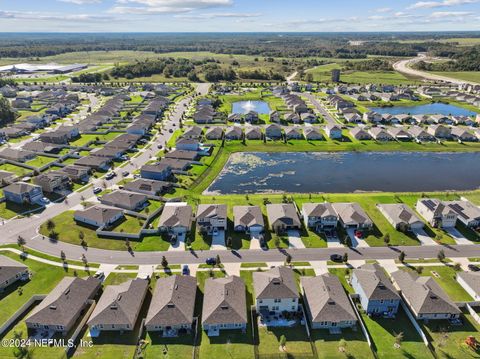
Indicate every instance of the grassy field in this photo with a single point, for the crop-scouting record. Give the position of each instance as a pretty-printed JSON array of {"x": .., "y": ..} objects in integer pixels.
[
  {"x": 327, "y": 344},
  {"x": 461, "y": 75},
  {"x": 19, "y": 171}
]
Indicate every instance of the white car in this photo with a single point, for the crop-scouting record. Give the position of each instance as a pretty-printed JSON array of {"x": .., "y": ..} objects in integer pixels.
[{"x": 45, "y": 200}]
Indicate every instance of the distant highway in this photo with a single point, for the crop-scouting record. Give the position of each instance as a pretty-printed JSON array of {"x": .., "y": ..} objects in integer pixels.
[{"x": 405, "y": 67}]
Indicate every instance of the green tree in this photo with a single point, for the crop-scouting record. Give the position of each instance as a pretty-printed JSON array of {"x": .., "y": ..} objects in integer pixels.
[
  {"x": 164, "y": 262},
  {"x": 441, "y": 255},
  {"x": 345, "y": 257},
  {"x": 283, "y": 341},
  {"x": 401, "y": 256}
]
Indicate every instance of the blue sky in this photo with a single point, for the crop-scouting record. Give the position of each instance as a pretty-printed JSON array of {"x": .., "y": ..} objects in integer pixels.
[{"x": 238, "y": 15}]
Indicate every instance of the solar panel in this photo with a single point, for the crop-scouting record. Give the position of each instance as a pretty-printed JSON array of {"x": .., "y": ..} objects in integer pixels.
[{"x": 429, "y": 204}]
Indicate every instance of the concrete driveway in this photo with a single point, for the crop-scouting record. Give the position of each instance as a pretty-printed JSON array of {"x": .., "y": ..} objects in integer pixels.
[
  {"x": 179, "y": 245},
  {"x": 255, "y": 240},
  {"x": 424, "y": 238},
  {"x": 218, "y": 240},
  {"x": 457, "y": 236},
  {"x": 356, "y": 242},
  {"x": 294, "y": 240}
]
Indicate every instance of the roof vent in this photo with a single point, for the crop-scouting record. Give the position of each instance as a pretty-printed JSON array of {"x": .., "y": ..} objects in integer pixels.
[
  {"x": 224, "y": 307},
  {"x": 53, "y": 307}
]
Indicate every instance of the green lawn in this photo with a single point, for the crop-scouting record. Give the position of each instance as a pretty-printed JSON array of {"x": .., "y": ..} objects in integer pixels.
[
  {"x": 118, "y": 278},
  {"x": 461, "y": 75},
  {"x": 298, "y": 343},
  {"x": 40, "y": 161},
  {"x": 449, "y": 341},
  {"x": 383, "y": 333},
  {"x": 19, "y": 171},
  {"x": 9, "y": 210},
  {"x": 446, "y": 280},
  {"x": 168, "y": 348},
  {"x": 44, "y": 279},
  {"x": 327, "y": 344}
]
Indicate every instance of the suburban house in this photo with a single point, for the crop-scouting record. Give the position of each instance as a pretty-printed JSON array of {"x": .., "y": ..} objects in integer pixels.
[
  {"x": 319, "y": 216},
  {"x": 274, "y": 117},
  {"x": 308, "y": 117},
  {"x": 400, "y": 133},
  {"x": 470, "y": 281},
  {"x": 118, "y": 307},
  {"x": 372, "y": 117},
  {"x": 333, "y": 131},
  {"x": 275, "y": 291},
  {"x": 126, "y": 200},
  {"x": 326, "y": 303},
  {"x": 6, "y": 177},
  {"x": 98, "y": 216},
  {"x": 188, "y": 144},
  {"x": 183, "y": 155},
  {"x": 172, "y": 307},
  {"x": 292, "y": 117},
  {"x": 176, "y": 164},
  {"x": 23, "y": 193},
  {"x": 377, "y": 294},
  {"x": 293, "y": 133},
  {"x": 248, "y": 219},
  {"x": 426, "y": 300},
  {"x": 253, "y": 133},
  {"x": 360, "y": 134},
  {"x": 439, "y": 131},
  {"x": 214, "y": 133},
  {"x": 53, "y": 181},
  {"x": 420, "y": 134},
  {"x": 351, "y": 215},
  {"x": 224, "y": 305},
  {"x": 212, "y": 217},
  {"x": 436, "y": 213},
  {"x": 148, "y": 187},
  {"x": 380, "y": 134},
  {"x": 17, "y": 155},
  {"x": 76, "y": 173},
  {"x": 233, "y": 133},
  {"x": 461, "y": 134},
  {"x": 193, "y": 133},
  {"x": 94, "y": 162},
  {"x": 273, "y": 132},
  {"x": 176, "y": 218},
  {"x": 11, "y": 271},
  {"x": 467, "y": 212},
  {"x": 158, "y": 172},
  {"x": 112, "y": 153},
  {"x": 282, "y": 217},
  {"x": 401, "y": 216},
  {"x": 61, "y": 308},
  {"x": 312, "y": 134}
]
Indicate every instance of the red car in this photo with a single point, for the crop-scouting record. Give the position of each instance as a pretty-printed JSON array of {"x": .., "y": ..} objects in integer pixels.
[{"x": 358, "y": 234}]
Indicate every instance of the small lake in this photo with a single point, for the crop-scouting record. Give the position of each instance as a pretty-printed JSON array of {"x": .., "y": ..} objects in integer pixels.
[
  {"x": 242, "y": 107},
  {"x": 430, "y": 109},
  {"x": 345, "y": 172}
]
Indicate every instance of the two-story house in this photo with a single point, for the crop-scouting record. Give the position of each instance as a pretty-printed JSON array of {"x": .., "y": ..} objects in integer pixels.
[
  {"x": 319, "y": 216},
  {"x": 436, "y": 213},
  {"x": 212, "y": 217},
  {"x": 377, "y": 294}
]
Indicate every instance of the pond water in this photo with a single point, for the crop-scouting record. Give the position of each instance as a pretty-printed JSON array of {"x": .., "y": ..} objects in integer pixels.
[
  {"x": 430, "y": 109},
  {"x": 345, "y": 172},
  {"x": 241, "y": 107}
]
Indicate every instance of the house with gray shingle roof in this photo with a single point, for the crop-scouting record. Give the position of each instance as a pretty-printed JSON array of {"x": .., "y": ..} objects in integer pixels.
[
  {"x": 214, "y": 133},
  {"x": 400, "y": 215},
  {"x": 326, "y": 302},
  {"x": 275, "y": 291},
  {"x": 248, "y": 219},
  {"x": 123, "y": 199},
  {"x": 436, "y": 213},
  {"x": 148, "y": 187},
  {"x": 377, "y": 294},
  {"x": 282, "y": 217},
  {"x": 319, "y": 215},
  {"x": 211, "y": 217},
  {"x": 253, "y": 133},
  {"x": 351, "y": 215},
  {"x": 172, "y": 307},
  {"x": 11, "y": 271},
  {"x": 424, "y": 296},
  {"x": 98, "y": 216},
  {"x": 176, "y": 218},
  {"x": 467, "y": 212},
  {"x": 360, "y": 134},
  {"x": 312, "y": 133},
  {"x": 119, "y": 306},
  {"x": 22, "y": 193},
  {"x": 470, "y": 281},
  {"x": 224, "y": 305},
  {"x": 62, "y": 307}
]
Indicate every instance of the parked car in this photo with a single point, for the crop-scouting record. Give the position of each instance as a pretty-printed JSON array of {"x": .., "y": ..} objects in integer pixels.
[
  {"x": 159, "y": 147},
  {"x": 45, "y": 200},
  {"x": 110, "y": 175},
  {"x": 170, "y": 131},
  {"x": 358, "y": 233},
  {"x": 97, "y": 190},
  {"x": 336, "y": 258},
  {"x": 473, "y": 268},
  {"x": 215, "y": 231},
  {"x": 211, "y": 261},
  {"x": 99, "y": 275},
  {"x": 185, "y": 270},
  {"x": 125, "y": 173}
]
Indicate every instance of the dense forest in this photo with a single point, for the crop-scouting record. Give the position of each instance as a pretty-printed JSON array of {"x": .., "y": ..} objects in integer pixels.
[
  {"x": 330, "y": 45},
  {"x": 7, "y": 115},
  {"x": 369, "y": 65},
  {"x": 466, "y": 60}
]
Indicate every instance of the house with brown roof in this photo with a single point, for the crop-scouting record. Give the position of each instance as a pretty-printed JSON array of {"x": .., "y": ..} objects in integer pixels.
[
  {"x": 148, "y": 187},
  {"x": 172, "y": 307},
  {"x": 94, "y": 162},
  {"x": 224, "y": 305},
  {"x": 214, "y": 133},
  {"x": 119, "y": 307},
  {"x": 401, "y": 216},
  {"x": 53, "y": 181},
  {"x": 319, "y": 216},
  {"x": 176, "y": 218},
  {"x": 351, "y": 215},
  {"x": 17, "y": 155},
  {"x": 212, "y": 217},
  {"x": 275, "y": 291},
  {"x": 62, "y": 307},
  {"x": 253, "y": 133},
  {"x": 77, "y": 173},
  {"x": 360, "y": 134},
  {"x": 312, "y": 134},
  {"x": 282, "y": 217},
  {"x": 327, "y": 305}
]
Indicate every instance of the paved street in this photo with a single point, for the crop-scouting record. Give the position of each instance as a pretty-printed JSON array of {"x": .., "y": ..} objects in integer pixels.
[{"x": 319, "y": 107}]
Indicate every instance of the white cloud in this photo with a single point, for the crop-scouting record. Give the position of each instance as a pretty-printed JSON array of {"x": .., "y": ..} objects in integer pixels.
[
  {"x": 219, "y": 15},
  {"x": 382, "y": 10},
  {"x": 154, "y": 7},
  {"x": 443, "y": 14},
  {"x": 82, "y": 2},
  {"x": 19, "y": 15},
  {"x": 444, "y": 3}
]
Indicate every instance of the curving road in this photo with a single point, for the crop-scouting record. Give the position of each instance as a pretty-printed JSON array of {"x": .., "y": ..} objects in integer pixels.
[{"x": 405, "y": 67}]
